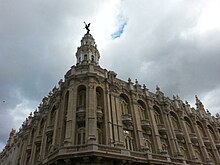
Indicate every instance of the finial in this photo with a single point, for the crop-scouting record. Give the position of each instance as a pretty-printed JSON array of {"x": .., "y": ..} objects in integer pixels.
[
  {"x": 136, "y": 81},
  {"x": 157, "y": 88},
  {"x": 129, "y": 79},
  {"x": 177, "y": 97},
  {"x": 87, "y": 27}
]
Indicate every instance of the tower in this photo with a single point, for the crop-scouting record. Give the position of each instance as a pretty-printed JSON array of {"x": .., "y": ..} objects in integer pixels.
[{"x": 87, "y": 52}]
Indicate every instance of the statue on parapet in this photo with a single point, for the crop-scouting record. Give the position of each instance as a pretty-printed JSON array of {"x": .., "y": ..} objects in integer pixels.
[{"x": 87, "y": 26}]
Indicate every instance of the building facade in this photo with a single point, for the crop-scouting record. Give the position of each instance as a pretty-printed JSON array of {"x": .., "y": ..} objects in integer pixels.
[{"x": 93, "y": 117}]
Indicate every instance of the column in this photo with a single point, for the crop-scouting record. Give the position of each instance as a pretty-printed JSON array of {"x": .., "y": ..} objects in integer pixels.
[
  {"x": 69, "y": 120},
  {"x": 109, "y": 118},
  {"x": 171, "y": 135},
  {"x": 188, "y": 140},
  {"x": 201, "y": 143},
  {"x": 91, "y": 114},
  {"x": 119, "y": 122},
  {"x": 155, "y": 133}
]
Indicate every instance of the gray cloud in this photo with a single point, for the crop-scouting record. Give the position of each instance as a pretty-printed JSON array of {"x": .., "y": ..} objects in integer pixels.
[{"x": 160, "y": 45}]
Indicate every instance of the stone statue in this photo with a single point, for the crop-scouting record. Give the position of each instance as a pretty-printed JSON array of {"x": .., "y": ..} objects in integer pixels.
[{"x": 87, "y": 26}]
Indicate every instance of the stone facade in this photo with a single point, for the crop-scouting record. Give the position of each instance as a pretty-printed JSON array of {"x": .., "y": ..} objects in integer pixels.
[{"x": 93, "y": 117}]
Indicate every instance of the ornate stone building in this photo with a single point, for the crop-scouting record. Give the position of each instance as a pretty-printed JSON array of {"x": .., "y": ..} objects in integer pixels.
[{"x": 93, "y": 117}]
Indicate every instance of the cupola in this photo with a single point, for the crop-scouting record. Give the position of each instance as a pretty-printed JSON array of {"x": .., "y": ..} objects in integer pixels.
[{"x": 87, "y": 52}]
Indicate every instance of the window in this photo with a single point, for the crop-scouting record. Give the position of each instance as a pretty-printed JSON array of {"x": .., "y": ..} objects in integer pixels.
[
  {"x": 52, "y": 116},
  {"x": 85, "y": 57},
  {"x": 128, "y": 140},
  {"x": 157, "y": 117},
  {"x": 81, "y": 136},
  {"x": 41, "y": 127},
  {"x": 92, "y": 58},
  {"x": 82, "y": 98}
]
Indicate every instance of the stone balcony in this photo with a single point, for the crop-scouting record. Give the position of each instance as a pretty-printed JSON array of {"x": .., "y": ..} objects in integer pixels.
[
  {"x": 162, "y": 129},
  {"x": 127, "y": 119},
  {"x": 29, "y": 147},
  {"x": 38, "y": 139},
  {"x": 179, "y": 133},
  {"x": 217, "y": 144},
  {"x": 49, "y": 129},
  {"x": 80, "y": 113},
  {"x": 145, "y": 124},
  {"x": 193, "y": 137},
  {"x": 99, "y": 113},
  {"x": 206, "y": 141}
]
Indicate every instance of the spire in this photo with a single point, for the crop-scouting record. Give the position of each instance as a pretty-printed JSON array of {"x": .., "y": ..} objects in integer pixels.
[
  {"x": 87, "y": 52},
  {"x": 199, "y": 104}
]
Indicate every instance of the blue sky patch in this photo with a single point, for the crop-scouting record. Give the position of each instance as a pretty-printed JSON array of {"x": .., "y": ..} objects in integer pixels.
[{"x": 120, "y": 30}]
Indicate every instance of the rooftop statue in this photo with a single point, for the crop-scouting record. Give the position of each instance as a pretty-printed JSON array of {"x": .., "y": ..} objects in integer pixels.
[{"x": 87, "y": 26}]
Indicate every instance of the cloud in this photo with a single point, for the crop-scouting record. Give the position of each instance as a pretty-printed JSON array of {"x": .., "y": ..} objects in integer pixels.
[
  {"x": 122, "y": 21},
  {"x": 173, "y": 44}
]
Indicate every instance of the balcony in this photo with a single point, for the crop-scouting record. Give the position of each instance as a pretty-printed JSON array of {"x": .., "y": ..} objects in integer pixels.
[
  {"x": 193, "y": 137},
  {"x": 179, "y": 133},
  {"x": 80, "y": 113},
  {"x": 28, "y": 149},
  {"x": 206, "y": 141},
  {"x": 127, "y": 119},
  {"x": 38, "y": 139},
  {"x": 162, "y": 129},
  {"x": 217, "y": 144},
  {"x": 49, "y": 129},
  {"x": 99, "y": 114},
  {"x": 145, "y": 124}
]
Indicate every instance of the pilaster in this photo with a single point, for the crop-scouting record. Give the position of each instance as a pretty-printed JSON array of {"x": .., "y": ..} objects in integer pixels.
[{"x": 91, "y": 111}]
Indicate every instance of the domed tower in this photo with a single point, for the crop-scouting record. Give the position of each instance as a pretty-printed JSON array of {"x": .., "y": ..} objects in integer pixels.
[{"x": 87, "y": 52}]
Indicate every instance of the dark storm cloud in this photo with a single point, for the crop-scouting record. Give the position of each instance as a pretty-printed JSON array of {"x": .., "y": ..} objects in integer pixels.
[
  {"x": 160, "y": 45},
  {"x": 166, "y": 48},
  {"x": 36, "y": 39}
]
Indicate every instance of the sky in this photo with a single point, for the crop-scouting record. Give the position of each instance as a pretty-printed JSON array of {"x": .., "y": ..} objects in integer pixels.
[{"x": 173, "y": 44}]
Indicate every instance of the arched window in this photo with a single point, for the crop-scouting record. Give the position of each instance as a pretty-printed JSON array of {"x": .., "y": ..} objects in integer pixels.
[
  {"x": 201, "y": 130},
  {"x": 41, "y": 128},
  {"x": 212, "y": 133},
  {"x": 81, "y": 101},
  {"x": 99, "y": 97},
  {"x": 142, "y": 110},
  {"x": 93, "y": 58},
  {"x": 32, "y": 136},
  {"x": 85, "y": 57},
  {"x": 147, "y": 144},
  {"x": 100, "y": 136},
  {"x": 188, "y": 125},
  {"x": 49, "y": 143},
  {"x": 174, "y": 120},
  {"x": 124, "y": 105},
  {"x": 52, "y": 116},
  {"x": 157, "y": 115},
  {"x": 128, "y": 140},
  {"x": 81, "y": 136}
]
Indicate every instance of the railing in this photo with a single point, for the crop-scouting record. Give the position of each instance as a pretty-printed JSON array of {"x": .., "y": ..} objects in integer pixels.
[
  {"x": 193, "y": 137},
  {"x": 49, "y": 129},
  {"x": 179, "y": 133},
  {"x": 161, "y": 128},
  {"x": 127, "y": 119},
  {"x": 38, "y": 139},
  {"x": 145, "y": 123}
]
